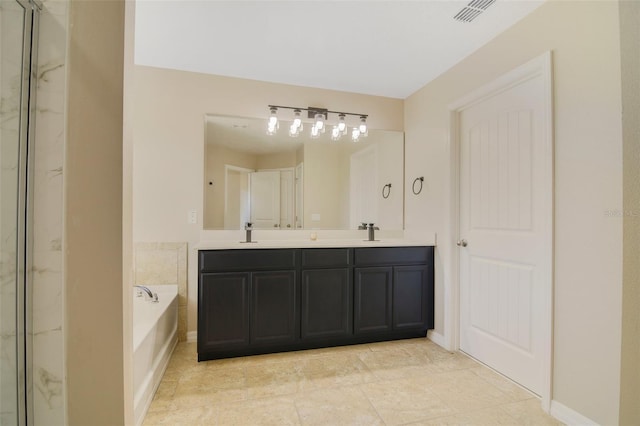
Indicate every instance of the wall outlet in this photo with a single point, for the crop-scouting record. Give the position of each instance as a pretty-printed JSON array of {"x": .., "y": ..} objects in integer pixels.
[
  {"x": 192, "y": 216},
  {"x": 315, "y": 217}
]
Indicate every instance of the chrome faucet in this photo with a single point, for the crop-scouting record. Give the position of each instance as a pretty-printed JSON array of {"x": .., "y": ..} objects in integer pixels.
[
  {"x": 152, "y": 296},
  {"x": 248, "y": 227},
  {"x": 371, "y": 228}
]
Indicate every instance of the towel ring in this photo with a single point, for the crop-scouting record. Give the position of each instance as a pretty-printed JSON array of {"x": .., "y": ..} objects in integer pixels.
[
  {"x": 387, "y": 187},
  {"x": 413, "y": 187}
]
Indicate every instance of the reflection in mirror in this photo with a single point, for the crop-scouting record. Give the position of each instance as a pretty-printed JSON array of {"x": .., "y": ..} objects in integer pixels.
[{"x": 282, "y": 182}]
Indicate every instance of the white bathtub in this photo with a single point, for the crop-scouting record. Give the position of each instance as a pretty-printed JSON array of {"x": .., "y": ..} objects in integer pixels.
[{"x": 155, "y": 334}]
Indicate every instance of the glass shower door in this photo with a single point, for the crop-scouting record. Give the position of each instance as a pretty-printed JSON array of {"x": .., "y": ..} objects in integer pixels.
[{"x": 15, "y": 62}]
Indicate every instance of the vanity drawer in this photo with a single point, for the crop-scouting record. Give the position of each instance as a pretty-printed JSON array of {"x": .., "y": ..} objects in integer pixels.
[
  {"x": 248, "y": 260},
  {"x": 392, "y": 255},
  {"x": 326, "y": 258}
]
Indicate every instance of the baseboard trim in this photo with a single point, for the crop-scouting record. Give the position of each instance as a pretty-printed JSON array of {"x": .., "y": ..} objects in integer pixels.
[
  {"x": 436, "y": 338},
  {"x": 192, "y": 336},
  {"x": 568, "y": 416}
]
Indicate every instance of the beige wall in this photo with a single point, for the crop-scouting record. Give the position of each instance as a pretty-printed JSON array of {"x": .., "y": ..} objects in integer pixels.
[
  {"x": 169, "y": 143},
  {"x": 584, "y": 38},
  {"x": 217, "y": 156},
  {"x": 630, "y": 372},
  {"x": 326, "y": 169},
  {"x": 279, "y": 160},
  {"x": 93, "y": 201}
]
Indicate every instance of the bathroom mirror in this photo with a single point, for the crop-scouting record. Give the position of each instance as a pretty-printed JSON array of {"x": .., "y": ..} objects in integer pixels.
[{"x": 281, "y": 182}]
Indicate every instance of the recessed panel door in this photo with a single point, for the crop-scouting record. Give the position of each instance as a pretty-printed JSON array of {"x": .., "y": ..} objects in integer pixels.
[
  {"x": 502, "y": 217},
  {"x": 372, "y": 300},
  {"x": 287, "y": 199},
  {"x": 265, "y": 199},
  {"x": 326, "y": 303},
  {"x": 224, "y": 323},
  {"x": 363, "y": 194},
  {"x": 274, "y": 307}
]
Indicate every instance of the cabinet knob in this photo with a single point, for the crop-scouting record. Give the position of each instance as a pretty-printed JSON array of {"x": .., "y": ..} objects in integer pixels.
[{"x": 462, "y": 243}]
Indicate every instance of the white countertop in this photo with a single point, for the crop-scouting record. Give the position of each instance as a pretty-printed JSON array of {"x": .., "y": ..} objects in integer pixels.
[{"x": 308, "y": 243}]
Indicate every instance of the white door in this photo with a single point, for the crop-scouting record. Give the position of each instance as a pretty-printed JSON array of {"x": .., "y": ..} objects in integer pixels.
[
  {"x": 504, "y": 217},
  {"x": 287, "y": 206},
  {"x": 299, "y": 195},
  {"x": 236, "y": 205},
  {"x": 265, "y": 199},
  {"x": 363, "y": 177}
]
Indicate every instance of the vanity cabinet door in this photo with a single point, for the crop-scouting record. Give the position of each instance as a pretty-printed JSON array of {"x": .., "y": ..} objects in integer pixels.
[
  {"x": 223, "y": 311},
  {"x": 372, "y": 300},
  {"x": 326, "y": 303},
  {"x": 274, "y": 301},
  {"x": 412, "y": 298}
]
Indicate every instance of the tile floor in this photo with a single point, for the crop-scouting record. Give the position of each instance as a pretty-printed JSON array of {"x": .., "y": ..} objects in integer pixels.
[{"x": 391, "y": 383}]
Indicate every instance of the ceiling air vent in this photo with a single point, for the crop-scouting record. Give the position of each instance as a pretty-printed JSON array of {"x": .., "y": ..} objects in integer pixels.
[{"x": 473, "y": 10}]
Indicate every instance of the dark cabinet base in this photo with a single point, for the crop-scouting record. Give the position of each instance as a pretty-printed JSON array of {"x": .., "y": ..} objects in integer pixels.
[{"x": 306, "y": 345}]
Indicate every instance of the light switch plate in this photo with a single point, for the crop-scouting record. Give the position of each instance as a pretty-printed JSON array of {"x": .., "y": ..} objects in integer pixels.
[
  {"x": 315, "y": 217},
  {"x": 193, "y": 216}
]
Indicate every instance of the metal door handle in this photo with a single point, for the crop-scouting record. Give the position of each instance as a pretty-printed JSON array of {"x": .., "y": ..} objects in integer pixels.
[{"x": 462, "y": 243}]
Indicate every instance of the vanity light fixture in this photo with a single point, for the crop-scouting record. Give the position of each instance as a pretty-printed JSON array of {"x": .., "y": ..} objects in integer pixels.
[{"x": 319, "y": 117}]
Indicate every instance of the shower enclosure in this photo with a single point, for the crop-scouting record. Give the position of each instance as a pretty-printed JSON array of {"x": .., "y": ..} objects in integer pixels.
[{"x": 18, "y": 36}]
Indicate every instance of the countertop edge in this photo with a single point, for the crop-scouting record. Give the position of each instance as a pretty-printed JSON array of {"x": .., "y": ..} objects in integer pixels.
[{"x": 275, "y": 244}]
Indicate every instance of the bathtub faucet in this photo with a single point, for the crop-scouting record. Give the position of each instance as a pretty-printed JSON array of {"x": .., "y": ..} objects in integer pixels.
[{"x": 152, "y": 296}]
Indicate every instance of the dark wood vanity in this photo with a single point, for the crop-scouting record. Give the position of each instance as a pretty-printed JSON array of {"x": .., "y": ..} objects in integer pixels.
[{"x": 255, "y": 301}]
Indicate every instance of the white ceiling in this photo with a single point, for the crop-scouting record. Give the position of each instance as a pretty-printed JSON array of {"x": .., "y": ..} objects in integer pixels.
[{"x": 385, "y": 48}]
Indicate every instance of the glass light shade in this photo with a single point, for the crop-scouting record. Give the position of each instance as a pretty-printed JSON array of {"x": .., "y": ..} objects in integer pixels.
[
  {"x": 335, "y": 133},
  {"x": 297, "y": 121},
  {"x": 294, "y": 131},
  {"x": 363, "y": 125},
  {"x": 342, "y": 125},
  {"x": 319, "y": 122},
  {"x": 355, "y": 134},
  {"x": 273, "y": 117},
  {"x": 314, "y": 131}
]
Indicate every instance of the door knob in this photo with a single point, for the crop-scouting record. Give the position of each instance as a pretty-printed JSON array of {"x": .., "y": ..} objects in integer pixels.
[{"x": 462, "y": 243}]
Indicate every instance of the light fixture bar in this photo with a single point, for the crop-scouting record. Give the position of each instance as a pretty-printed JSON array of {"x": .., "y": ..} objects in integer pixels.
[{"x": 317, "y": 110}]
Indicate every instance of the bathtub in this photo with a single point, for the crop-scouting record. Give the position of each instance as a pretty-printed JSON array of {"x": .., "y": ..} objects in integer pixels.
[{"x": 155, "y": 334}]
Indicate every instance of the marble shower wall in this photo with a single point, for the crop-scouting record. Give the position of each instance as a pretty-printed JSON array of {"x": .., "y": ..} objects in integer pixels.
[
  {"x": 48, "y": 284},
  {"x": 164, "y": 263},
  {"x": 10, "y": 83}
]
